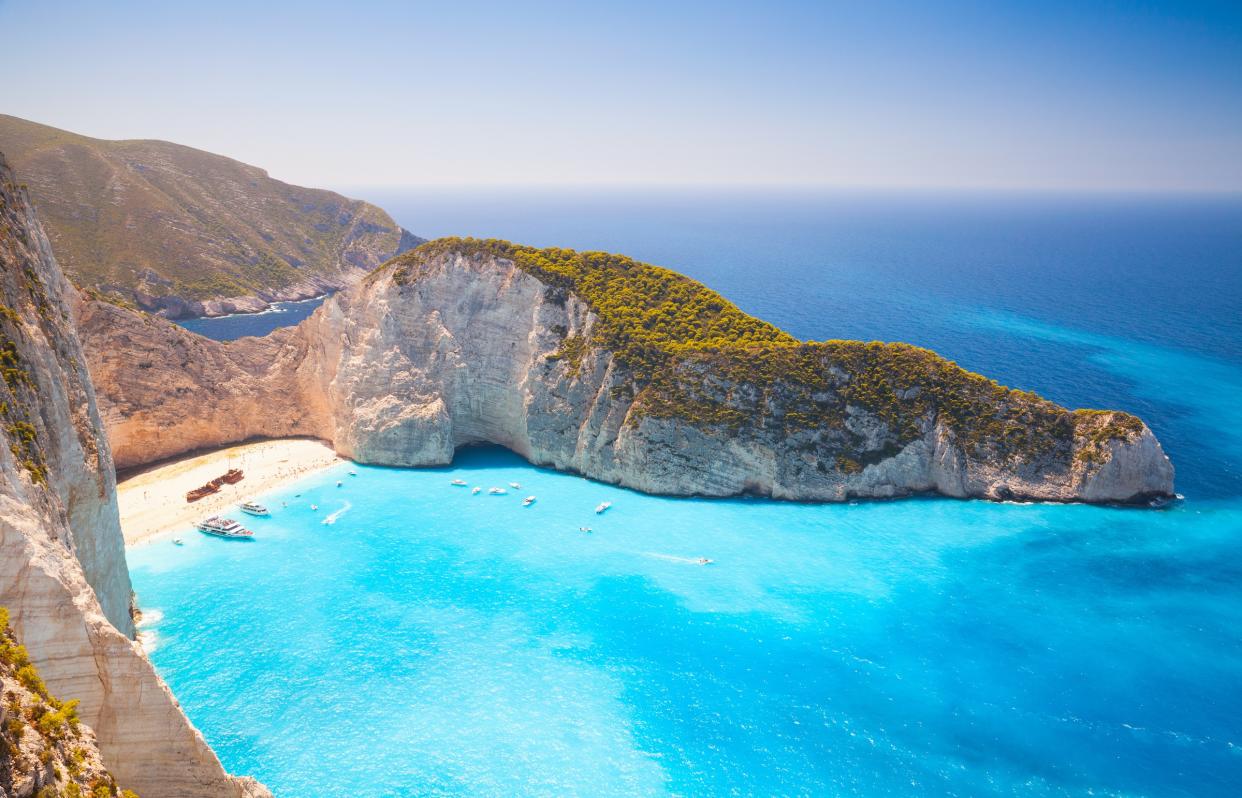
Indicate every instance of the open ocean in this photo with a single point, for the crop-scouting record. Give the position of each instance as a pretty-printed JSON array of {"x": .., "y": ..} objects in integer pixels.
[{"x": 430, "y": 642}]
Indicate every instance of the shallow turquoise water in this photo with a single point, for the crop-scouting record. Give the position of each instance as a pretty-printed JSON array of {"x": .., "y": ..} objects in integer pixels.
[{"x": 433, "y": 643}]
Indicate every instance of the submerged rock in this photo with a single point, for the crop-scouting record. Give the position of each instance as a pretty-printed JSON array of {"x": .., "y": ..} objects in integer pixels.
[{"x": 624, "y": 372}]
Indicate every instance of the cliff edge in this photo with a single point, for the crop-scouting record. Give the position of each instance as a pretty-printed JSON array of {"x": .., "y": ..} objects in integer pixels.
[
  {"x": 615, "y": 369},
  {"x": 63, "y": 575}
]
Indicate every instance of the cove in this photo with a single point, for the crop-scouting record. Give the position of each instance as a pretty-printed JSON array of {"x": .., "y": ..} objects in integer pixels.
[{"x": 433, "y": 642}]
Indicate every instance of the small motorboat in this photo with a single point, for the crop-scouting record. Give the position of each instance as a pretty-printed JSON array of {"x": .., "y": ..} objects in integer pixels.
[
  {"x": 603, "y": 506},
  {"x": 497, "y": 491},
  {"x": 339, "y": 483},
  {"x": 461, "y": 483},
  {"x": 528, "y": 501},
  {"x": 515, "y": 486},
  {"x": 254, "y": 508},
  {"x": 353, "y": 473},
  {"x": 584, "y": 529},
  {"x": 475, "y": 490},
  {"x": 314, "y": 507},
  {"x": 705, "y": 561},
  {"x": 178, "y": 542},
  {"x": 223, "y": 528}
]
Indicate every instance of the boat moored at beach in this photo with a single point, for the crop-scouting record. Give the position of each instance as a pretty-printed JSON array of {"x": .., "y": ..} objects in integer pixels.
[
  {"x": 254, "y": 508},
  {"x": 223, "y": 528}
]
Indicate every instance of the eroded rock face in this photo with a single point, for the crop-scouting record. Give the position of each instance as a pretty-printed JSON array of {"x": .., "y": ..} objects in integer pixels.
[
  {"x": 402, "y": 370},
  {"x": 63, "y": 575}
]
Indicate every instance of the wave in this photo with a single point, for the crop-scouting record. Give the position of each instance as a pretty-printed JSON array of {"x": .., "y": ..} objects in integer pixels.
[{"x": 150, "y": 618}]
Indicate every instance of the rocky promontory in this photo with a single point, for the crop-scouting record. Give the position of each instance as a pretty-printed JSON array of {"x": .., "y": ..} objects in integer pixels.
[
  {"x": 618, "y": 370},
  {"x": 181, "y": 232}
]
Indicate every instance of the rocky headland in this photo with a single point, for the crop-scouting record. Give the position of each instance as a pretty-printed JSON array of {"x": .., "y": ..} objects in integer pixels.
[
  {"x": 181, "y": 232},
  {"x": 615, "y": 369},
  {"x": 63, "y": 576}
]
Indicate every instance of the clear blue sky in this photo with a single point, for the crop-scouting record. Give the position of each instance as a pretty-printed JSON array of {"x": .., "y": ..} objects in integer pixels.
[{"x": 1052, "y": 94}]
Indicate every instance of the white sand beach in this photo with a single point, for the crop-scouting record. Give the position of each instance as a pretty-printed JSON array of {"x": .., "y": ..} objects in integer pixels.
[{"x": 152, "y": 502}]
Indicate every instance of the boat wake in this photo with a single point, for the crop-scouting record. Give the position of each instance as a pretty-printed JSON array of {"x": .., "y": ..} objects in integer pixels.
[
  {"x": 331, "y": 519},
  {"x": 673, "y": 558}
]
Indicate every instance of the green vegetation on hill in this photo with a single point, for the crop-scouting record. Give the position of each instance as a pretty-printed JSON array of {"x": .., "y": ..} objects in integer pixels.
[
  {"x": 171, "y": 221},
  {"x": 21, "y": 289},
  {"x": 693, "y": 355},
  {"x": 42, "y": 732}
]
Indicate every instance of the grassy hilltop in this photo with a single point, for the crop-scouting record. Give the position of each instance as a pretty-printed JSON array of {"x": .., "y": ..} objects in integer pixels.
[{"x": 167, "y": 220}]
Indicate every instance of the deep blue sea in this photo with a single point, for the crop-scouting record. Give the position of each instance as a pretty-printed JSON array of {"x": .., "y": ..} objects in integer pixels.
[
  {"x": 431, "y": 642},
  {"x": 240, "y": 325}
]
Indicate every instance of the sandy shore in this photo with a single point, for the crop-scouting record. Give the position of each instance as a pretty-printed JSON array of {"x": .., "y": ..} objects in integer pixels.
[{"x": 153, "y": 501}]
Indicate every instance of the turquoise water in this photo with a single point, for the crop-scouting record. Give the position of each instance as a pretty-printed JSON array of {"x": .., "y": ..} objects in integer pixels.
[{"x": 430, "y": 642}]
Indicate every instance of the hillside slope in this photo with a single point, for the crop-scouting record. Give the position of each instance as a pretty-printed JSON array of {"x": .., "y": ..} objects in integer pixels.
[
  {"x": 622, "y": 371},
  {"x": 186, "y": 233}
]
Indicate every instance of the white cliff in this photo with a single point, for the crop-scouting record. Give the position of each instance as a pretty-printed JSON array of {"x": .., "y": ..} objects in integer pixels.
[
  {"x": 465, "y": 342},
  {"x": 63, "y": 575}
]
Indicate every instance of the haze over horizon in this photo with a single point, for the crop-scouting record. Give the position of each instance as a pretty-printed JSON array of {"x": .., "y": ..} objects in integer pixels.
[{"x": 1112, "y": 97}]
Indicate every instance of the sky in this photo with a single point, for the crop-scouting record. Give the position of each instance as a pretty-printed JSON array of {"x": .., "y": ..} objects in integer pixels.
[{"x": 1049, "y": 95}]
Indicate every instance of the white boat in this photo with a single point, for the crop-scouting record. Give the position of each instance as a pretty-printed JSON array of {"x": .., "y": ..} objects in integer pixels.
[
  {"x": 475, "y": 490},
  {"x": 254, "y": 508},
  {"x": 528, "y": 501},
  {"x": 339, "y": 483},
  {"x": 603, "y": 506},
  {"x": 584, "y": 529},
  {"x": 353, "y": 473},
  {"x": 461, "y": 483},
  {"x": 515, "y": 486},
  {"x": 705, "y": 561},
  {"x": 178, "y": 542},
  {"x": 497, "y": 491},
  {"x": 314, "y": 507},
  {"x": 223, "y": 528}
]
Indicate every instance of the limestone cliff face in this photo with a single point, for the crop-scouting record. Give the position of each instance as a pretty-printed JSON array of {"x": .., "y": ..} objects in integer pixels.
[
  {"x": 466, "y": 342},
  {"x": 62, "y": 562}
]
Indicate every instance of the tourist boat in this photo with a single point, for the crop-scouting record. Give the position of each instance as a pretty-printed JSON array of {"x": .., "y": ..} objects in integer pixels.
[
  {"x": 232, "y": 476},
  {"x": 254, "y": 508},
  {"x": 475, "y": 490},
  {"x": 223, "y": 528},
  {"x": 497, "y": 491},
  {"x": 461, "y": 483},
  {"x": 515, "y": 486},
  {"x": 528, "y": 501},
  {"x": 603, "y": 506}
]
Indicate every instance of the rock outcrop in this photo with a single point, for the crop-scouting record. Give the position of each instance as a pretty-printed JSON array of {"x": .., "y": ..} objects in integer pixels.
[
  {"x": 63, "y": 575},
  {"x": 617, "y": 370},
  {"x": 44, "y": 747},
  {"x": 182, "y": 232}
]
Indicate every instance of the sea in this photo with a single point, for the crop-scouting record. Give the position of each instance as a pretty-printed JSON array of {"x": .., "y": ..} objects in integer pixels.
[{"x": 411, "y": 638}]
